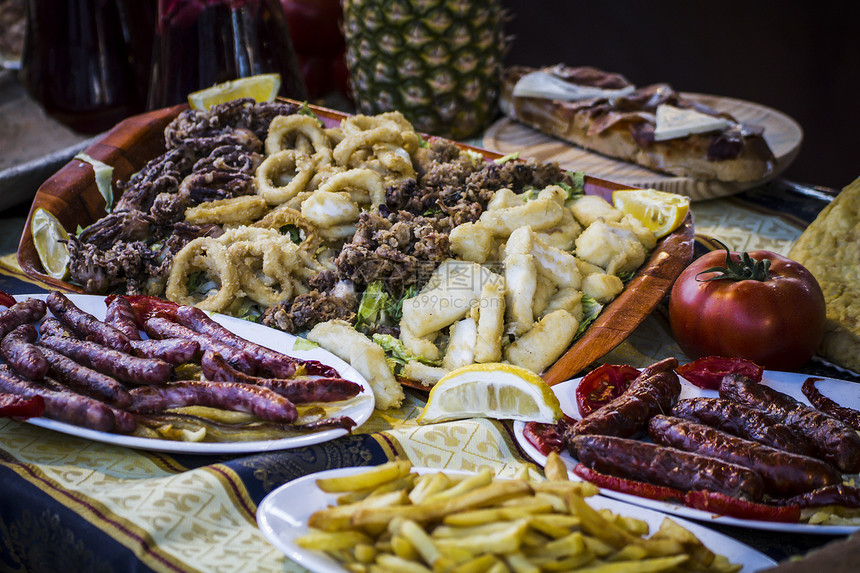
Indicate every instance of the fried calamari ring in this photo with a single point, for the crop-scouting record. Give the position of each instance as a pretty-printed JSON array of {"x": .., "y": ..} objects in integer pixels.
[
  {"x": 210, "y": 256},
  {"x": 264, "y": 274},
  {"x": 231, "y": 211},
  {"x": 366, "y": 182},
  {"x": 282, "y": 175},
  {"x": 285, "y": 217},
  {"x": 395, "y": 159},
  {"x": 392, "y": 119},
  {"x": 363, "y": 140},
  {"x": 285, "y": 132}
]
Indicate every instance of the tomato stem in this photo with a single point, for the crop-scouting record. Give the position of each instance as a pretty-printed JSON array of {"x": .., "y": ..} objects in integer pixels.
[{"x": 746, "y": 268}]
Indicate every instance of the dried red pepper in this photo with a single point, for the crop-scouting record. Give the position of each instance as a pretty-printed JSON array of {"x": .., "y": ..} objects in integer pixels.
[
  {"x": 6, "y": 299},
  {"x": 14, "y": 406},
  {"x": 707, "y": 372},
  {"x": 624, "y": 485},
  {"x": 545, "y": 437},
  {"x": 602, "y": 385},
  {"x": 722, "y": 504}
]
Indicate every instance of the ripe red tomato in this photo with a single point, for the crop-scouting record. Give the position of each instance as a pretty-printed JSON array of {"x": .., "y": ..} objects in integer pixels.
[{"x": 760, "y": 306}]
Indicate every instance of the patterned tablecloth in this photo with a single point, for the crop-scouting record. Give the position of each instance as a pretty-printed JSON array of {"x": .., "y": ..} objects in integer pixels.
[{"x": 69, "y": 504}]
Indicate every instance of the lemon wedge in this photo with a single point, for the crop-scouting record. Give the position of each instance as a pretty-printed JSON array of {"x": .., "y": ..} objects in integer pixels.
[
  {"x": 659, "y": 211},
  {"x": 47, "y": 233},
  {"x": 263, "y": 87},
  {"x": 494, "y": 390}
]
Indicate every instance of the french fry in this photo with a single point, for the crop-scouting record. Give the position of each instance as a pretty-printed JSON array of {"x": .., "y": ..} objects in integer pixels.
[
  {"x": 338, "y": 517},
  {"x": 330, "y": 541},
  {"x": 369, "y": 479},
  {"x": 476, "y": 565},
  {"x": 519, "y": 563},
  {"x": 395, "y": 522},
  {"x": 480, "y": 479},
  {"x": 652, "y": 565},
  {"x": 395, "y": 564},
  {"x": 507, "y": 513},
  {"x": 494, "y": 492},
  {"x": 422, "y": 542},
  {"x": 504, "y": 540},
  {"x": 428, "y": 484},
  {"x": 554, "y": 469}
]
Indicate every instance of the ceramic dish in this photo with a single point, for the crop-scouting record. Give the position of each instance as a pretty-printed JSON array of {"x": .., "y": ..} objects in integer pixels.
[
  {"x": 359, "y": 409},
  {"x": 283, "y": 516},
  {"x": 845, "y": 393}
]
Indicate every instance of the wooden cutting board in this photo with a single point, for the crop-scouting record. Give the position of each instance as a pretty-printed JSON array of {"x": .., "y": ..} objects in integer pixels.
[{"x": 782, "y": 133}]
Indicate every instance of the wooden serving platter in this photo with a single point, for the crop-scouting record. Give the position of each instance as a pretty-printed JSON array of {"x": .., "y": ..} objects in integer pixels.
[
  {"x": 72, "y": 196},
  {"x": 782, "y": 133}
]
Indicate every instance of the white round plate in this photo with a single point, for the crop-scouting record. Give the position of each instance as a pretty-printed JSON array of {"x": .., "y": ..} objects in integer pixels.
[
  {"x": 845, "y": 393},
  {"x": 359, "y": 408},
  {"x": 283, "y": 516}
]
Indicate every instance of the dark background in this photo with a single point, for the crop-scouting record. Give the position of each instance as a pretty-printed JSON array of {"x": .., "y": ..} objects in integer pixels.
[{"x": 799, "y": 57}]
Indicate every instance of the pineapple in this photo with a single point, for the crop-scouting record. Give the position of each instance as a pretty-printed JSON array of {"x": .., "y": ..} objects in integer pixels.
[{"x": 437, "y": 61}]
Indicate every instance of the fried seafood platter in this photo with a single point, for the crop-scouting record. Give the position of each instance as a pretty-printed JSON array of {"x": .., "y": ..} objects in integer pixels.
[
  {"x": 147, "y": 373},
  {"x": 405, "y": 255}
]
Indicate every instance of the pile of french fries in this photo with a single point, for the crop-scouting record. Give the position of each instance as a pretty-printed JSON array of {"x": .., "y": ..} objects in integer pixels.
[{"x": 391, "y": 519}]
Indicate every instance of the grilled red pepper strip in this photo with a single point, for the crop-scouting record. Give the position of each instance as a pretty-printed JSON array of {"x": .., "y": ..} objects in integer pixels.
[
  {"x": 14, "y": 406},
  {"x": 545, "y": 437},
  {"x": 707, "y": 372},
  {"x": 624, "y": 485},
  {"x": 828, "y": 406},
  {"x": 146, "y": 307},
  {"x": 723, "y": 504},
  {"x": 602, "y": 385},
  {"x": 6, "y": 299}
]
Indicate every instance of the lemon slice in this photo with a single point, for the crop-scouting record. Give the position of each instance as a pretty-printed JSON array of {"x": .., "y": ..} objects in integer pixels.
[
  {"x": 495, "y": 390},
  {"x": 660, "y": 211},
  {"x": 263, "y": 87},
  {"x": 47, "y": 234}
]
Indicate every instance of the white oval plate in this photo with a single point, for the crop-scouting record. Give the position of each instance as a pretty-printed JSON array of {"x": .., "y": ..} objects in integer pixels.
[
  {"x": 359, "y": 409},
  {"x": 283, "y": 516},
  {"x": 844, "y": 393}
]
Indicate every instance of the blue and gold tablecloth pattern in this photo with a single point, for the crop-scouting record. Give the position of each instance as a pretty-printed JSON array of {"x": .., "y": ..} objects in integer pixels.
[{"x": 70, "y": 504}]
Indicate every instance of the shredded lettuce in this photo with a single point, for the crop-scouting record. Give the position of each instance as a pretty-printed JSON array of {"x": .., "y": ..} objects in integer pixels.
[
  {"x": 626, "y": 276},
  {"x": 293, "y": 232},
  {"x": 577, "y": 188},
  {"x": 304, "y": 344},
  {"x": 377, "y": 307},
  {"x": 396, "y": 355},
  {"x": 104, "y": 174},
  {"x": 590, "y": 308},
  {"x": 506, "y": 158},
  {"x": 477, "y": 158},
  {"x": 373, "y": 301},
  {"x": 305, "y": 109}
]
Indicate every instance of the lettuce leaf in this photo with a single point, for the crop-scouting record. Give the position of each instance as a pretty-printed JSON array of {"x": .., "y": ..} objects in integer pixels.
[
  {"x": 397, "y": 355},
  {"x": 377, "y": 307},
  {"x": 590, "y": 308},
  {"x": 104, "y": 174}
]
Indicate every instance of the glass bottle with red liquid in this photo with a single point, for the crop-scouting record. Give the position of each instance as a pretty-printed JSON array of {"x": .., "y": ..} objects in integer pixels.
[
  {"x": 75, "y": 63},
  {"x": 199, "y": 43}
]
